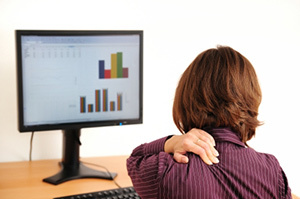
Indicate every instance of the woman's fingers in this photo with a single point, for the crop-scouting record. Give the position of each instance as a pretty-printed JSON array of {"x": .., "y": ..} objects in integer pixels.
[
  {"x": 203, "y": 146},
  {"x": 206, "y": 151},
  {"x": 180, "y": 158},
  {"x": 195, "y": 141}
]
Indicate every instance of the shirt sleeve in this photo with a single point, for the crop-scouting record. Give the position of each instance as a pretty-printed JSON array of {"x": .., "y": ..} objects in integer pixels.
[
  {"x": 145, "y": 165},
  {"x": 284, "y": 189}
]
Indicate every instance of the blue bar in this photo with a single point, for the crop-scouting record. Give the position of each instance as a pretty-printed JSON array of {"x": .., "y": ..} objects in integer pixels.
[{"x": 101, "y": 69}]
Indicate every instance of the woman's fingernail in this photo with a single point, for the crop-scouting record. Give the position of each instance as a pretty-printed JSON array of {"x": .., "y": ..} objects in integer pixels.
[
  {"x": 185, "y": 160},
  {"x": 217, "y": 153},
  {"x": 216, "y": 160}
]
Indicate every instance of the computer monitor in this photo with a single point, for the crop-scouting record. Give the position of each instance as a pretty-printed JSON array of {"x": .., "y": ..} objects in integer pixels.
[{"x": 69, "y": 80}]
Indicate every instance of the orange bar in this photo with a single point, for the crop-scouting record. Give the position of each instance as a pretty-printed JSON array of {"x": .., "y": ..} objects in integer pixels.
[
  {"x": 90, "y": 108},
  {"x": 105, "y": 101},
  {"x": 112, "y": 106},
  {"x": 119, "y": 101},
  {"x": 82, "y": 104},
  {"x": 97, "y": 100}
]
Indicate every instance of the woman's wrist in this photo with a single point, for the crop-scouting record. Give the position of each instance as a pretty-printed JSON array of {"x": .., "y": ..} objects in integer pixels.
[{"x": 170, "y": 143}]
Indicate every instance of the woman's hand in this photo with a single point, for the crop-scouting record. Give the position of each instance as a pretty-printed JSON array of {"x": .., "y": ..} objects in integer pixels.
[{"x": 196, "y": 141}]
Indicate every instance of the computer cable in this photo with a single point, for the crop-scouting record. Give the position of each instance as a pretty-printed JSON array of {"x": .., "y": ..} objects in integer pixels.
[
  {"x": 108, "y": 172},
  {"x": 30, "y": 148}
]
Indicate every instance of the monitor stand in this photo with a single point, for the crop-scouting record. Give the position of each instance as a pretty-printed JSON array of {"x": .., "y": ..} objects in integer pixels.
[{"x": 71, "y": 167}]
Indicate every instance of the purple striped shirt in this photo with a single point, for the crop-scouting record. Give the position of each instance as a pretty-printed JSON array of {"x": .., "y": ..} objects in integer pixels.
[{"x": 241, "y": 172}]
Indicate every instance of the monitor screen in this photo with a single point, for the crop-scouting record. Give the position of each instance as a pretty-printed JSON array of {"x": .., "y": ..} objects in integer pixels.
[
  {"x": 76, "y": 79},
  {"x": 70, "y": 80}
]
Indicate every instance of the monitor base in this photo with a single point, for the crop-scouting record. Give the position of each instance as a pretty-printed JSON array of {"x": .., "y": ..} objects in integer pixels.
[
  {"x": 81, "y": 171},
  {"x": 71, "y": 167}
]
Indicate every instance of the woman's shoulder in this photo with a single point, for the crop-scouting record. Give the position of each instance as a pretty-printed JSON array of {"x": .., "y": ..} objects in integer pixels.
[{"x": 265, "y": 157}]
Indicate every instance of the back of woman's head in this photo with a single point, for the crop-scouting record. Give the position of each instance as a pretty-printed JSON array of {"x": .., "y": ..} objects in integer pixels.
[{"x": 219, "y": 89}]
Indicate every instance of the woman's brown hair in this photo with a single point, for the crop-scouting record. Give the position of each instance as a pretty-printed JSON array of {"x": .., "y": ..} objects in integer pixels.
[{"x": 218, "y": 89}]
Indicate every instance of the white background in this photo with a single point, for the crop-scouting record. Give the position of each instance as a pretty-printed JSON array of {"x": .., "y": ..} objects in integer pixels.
[{"x": 267, "y": 32}]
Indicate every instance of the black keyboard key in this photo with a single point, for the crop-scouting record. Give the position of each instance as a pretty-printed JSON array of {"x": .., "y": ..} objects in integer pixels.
[{"x": 119, "y": 193}]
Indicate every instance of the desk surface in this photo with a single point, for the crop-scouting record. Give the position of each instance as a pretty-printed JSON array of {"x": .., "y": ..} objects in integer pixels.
[{"x": 24, "y": 179}]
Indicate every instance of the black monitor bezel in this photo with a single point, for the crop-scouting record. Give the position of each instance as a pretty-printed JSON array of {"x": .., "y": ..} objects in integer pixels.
[{"x": 76, "y": 125}]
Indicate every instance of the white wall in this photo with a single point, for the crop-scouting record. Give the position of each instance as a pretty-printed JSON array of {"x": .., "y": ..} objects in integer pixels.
[{"x": 267, "y": 32}]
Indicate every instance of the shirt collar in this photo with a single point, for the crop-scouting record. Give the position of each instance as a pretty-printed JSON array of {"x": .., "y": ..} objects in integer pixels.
[{"x": 225, "y": 135}]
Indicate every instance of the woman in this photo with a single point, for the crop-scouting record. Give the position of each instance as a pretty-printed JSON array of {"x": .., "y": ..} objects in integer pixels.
[{"x": 219, "y": 93}]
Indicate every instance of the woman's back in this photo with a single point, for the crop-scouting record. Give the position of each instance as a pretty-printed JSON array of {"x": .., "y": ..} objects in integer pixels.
[{"x": 241, "y": 173}]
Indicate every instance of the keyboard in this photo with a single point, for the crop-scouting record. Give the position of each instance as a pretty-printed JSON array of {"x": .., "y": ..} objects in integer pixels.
[{"x": 119, "y": 193}]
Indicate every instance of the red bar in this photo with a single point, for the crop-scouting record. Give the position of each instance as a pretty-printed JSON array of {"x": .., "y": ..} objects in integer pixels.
[
  {"x": 125, "y": 72},
  {"x": 107, "y": 74}
]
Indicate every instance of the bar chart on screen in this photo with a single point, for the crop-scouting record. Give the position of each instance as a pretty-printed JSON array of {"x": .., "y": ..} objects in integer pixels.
[
  {"x": 117, "y": 70},
  {"x": 105, "y": 99},
  {"x": 101, "y": 103}
]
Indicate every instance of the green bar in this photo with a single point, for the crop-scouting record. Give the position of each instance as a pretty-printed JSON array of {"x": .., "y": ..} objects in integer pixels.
[{"x": 119, "y": 64}]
